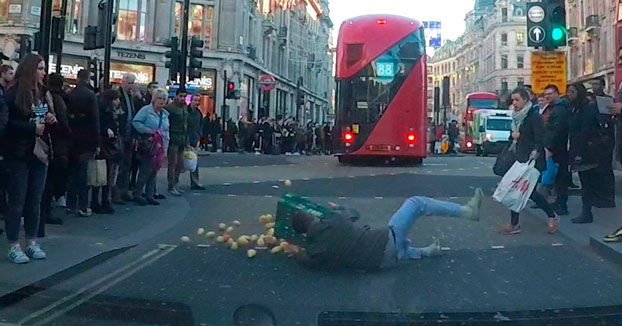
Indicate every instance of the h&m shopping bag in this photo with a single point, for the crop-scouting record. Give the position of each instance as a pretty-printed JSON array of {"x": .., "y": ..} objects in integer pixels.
[
  {"x": 96, "y": 175},
  {"x": 517, "y": 185}
]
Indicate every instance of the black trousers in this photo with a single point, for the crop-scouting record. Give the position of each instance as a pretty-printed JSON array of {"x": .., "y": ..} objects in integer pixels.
[
  {"x": 540, "y": 201},
  {"x": 562, "y": 179}
]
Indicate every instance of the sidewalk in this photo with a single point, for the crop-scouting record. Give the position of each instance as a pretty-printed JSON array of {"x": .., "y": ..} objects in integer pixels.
[
  {"x": 81, "y": 239},
  {"x": 606, "y": 220}
]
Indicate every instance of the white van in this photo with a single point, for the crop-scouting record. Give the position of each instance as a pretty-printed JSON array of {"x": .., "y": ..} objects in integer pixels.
[{"x": 492, "y": 131}]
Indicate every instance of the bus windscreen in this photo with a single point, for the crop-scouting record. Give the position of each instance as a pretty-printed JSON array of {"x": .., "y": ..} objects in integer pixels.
[
  {"x": 364, "y": 97},
  {"x": 484, "y": 103},
  {"x": 499, "y": 124}
]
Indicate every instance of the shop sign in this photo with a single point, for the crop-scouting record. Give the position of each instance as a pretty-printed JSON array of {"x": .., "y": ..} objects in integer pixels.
[
  {"x": 35, "y": 10},
  {"x": 131, "y": 55},
  {"x": 144, "y": 73},
  {"x": 68, "y": 71},
  {"x": 15, "y": 8}
]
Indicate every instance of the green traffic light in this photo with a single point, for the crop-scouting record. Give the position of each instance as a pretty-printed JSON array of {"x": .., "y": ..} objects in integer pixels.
[{"x": 557, "y": 34}]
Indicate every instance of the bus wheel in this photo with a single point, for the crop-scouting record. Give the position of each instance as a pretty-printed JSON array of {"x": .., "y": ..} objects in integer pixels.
[
  {"x": 478, "y": 150},
  {"x": 418, "y": 161}
]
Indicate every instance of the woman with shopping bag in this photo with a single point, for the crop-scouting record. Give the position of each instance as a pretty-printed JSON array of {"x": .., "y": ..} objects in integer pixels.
[{"x": 527, "y": 140}]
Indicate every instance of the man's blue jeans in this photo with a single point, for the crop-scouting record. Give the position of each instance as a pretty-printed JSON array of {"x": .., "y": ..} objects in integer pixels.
[{"x": 405, "y": 217}]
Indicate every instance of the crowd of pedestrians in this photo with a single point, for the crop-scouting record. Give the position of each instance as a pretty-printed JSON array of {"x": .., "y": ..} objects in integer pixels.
[
  {"x": 51, "y": 136},
  {"x": 267, "y": 136},
  {"x": 579, "y": 137}
]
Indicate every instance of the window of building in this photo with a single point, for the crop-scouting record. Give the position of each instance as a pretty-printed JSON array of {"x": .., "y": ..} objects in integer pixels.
[
  {"x": 504, "y": 85},
  {"x": 520, "y": 38},
  {"x": 504, "y": 39},
  {"x": 4, "y": 9},
  {"x": 519, "y": 12},
  {"x": 132, "y": 20},
  {"x": 504, "y": 14},
  {"x": 504, "y": 61},
  {"x": 520, "y": 61},
  {"x": 199, "y": 23},
  {"x": 521, "y": 82}
]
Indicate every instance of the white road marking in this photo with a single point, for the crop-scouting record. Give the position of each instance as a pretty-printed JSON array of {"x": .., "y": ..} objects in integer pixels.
[
  {"x": 122, "y": 273},
  {"x": 226, "y": 184},
  {"x": 498, "y": 247},
  {"x": 556, "y": 244},
  {"x": 306, "y": 179},
  {"x": 231, "y": 195},
  {"x": 342, "y": 197},
  {"x": 268, "y": 196},
  {"x": 378, "y": 197},
  {"x": 255, "y": 182}
]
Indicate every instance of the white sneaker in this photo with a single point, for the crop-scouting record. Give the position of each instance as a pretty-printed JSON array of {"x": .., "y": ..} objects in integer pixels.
[
  {"x": 17, "y": 255},
  {"x": 61, "y": 202},
  {"x": 34, "y": 251},
  {"x": 174, "y": 192},
  {"x": 179, "y": 190}
]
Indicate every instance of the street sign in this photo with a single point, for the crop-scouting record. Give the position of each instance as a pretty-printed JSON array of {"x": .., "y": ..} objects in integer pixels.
[
  {"x": 267, "y": 82},
  {"x": 536, "y": 14},
  {"x": 537, "y": 34},
  {"x": 548, "y": 68}
]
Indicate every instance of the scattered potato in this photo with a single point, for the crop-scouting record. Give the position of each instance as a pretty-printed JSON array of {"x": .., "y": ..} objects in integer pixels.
[
  {"x": 210, "y": 234},
  {"x": 185, "y": 239},
  {"x": 243, "y": 240},
  {"x": 269, "y": 225},
  {"x": 222, "y": 226},
  {"x": 270, "y": 232},
  {"x": 220, "y": 238},
  {"x": 288, "y": 183},
  {"x": 236, "y": 223},
  {"x": 251, "y": 253},
  {"x": 226, "y": 237},
  {"x": 254, "y": 237},
  {"x": 276, "y": 249},
  {"x": 200, "y": 231},
  {"x": 234, "y": 246},
  {"x": 229, "y": 229},
  {"x": 230, "y": 241},
  {"x": 261, "y": 242},
  {"x": 271, "y": 240}
]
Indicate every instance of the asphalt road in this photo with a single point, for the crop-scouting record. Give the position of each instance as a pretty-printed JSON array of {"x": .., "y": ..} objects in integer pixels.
[{"x": 163, "y": 281}]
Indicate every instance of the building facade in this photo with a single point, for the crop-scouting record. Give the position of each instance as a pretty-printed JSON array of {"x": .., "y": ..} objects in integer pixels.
[
  {"x": 490, "y": 56},
  {"x": 591, "y": 40},
  {"x": 246, "y": 39}
]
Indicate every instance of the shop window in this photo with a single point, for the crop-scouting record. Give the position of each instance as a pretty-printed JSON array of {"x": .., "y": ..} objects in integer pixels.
[
  {"x": 4, "y": 9},
  {"x": 132, "y": 20},
  {"x": 200, "y": 21}
]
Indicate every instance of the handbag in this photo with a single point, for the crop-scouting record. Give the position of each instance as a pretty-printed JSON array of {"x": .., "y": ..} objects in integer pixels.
[
  {"x": 517, "y": 185},
  {"x": 112, "y": 150},
  {"x": 505, "y": 160},
  {"x": 96, "y": 174},
  {"x": 42, "y": 149}
]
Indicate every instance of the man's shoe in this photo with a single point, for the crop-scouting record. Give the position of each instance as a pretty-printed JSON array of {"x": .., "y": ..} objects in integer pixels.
[
  {"x": 159, "y": 196},
  {"x": 475, "y": 204},
  {"x": 179, "y": 190},
  {"x": 97, "y": 209},
  {"x": 61, "y": 202},
  {"x": 140, "y": 201},
  {"x": 153, "y": 202},
  {"x": 582, "y": 219},
  {"x": 615, "y": 236},
  {"x": 106, "y": 208},
  {"x": 573, "y": 186},
  {"x": 85, "y": 213},
  {"x": 197, "y": 187},
  {"x": 561, "y": 210},
  {"x": 54, "y": 220}
]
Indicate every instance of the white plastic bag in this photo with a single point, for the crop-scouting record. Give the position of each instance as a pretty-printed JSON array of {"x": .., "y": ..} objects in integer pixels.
[
  {"x": 96, "y": 174},
  {"x": 517, "y": 185},
  {"x": 190, "y": 160}
]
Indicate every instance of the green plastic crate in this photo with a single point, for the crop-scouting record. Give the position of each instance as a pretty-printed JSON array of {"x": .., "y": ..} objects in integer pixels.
[{"x": 286, "y": 207}]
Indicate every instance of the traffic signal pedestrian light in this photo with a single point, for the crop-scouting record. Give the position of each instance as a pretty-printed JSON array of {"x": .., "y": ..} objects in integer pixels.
[
  {"x": 92, "y": 69},
  {"x": 173, "y": 55},
  {"x": 232, "y": 93},
  {"x": 556, "y": 13},
  {"x": 57, "y": 35},
  {"x": 195, "y": 55}
]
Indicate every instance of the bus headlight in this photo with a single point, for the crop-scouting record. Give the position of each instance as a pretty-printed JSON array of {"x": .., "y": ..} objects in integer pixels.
[{"x": 489, "y": 136}]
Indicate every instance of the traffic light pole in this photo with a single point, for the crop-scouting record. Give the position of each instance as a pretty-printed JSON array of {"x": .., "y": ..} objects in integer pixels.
[
  {"x": 108, "y": 44},
  {"x": 184, "y": 44},
  {"x": 63, "y": 15},
  {"x": 224, "y": 99},
  {"x": 45, "y": 25}
]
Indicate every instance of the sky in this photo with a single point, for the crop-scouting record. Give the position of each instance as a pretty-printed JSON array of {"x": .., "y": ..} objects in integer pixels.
[{"x": 452, "y": 21}]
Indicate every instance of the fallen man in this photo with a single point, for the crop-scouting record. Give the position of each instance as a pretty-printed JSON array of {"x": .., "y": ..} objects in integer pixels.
[{"x": 338, "y": 242}]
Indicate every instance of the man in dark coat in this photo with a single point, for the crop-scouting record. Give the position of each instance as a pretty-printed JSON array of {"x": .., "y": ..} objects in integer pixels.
[
  {"x": 125, "y": 130},
  {"x": 556, "y": 144},
  {"x": 85, "y": 141},
  {"x": 4, "y": 119},
  {"x": 195, "y": 128},
  {"x": 453, "y": 134},
  {"x": 606, "y": 195}
]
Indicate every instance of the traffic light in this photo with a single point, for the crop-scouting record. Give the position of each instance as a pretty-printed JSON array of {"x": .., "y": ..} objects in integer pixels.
[
  {"x": 301, "y": 98},
  {"x": 173, "y": 55},
  {"x": 556, "y": 14},
  {"x": 58, "y": 34},
  {"x": 90, "y": 38},
  {"x": 92, "y": 69},
  {"x": 102, "y": 12},
  {"x": 195, "y": 55},
  {"x": 232, "y": 93}
]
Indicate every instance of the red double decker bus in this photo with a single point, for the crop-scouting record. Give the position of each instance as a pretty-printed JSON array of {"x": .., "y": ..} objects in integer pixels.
[
  {"x": 381, "y": 89},
  {"x": 475, "y": 101}
]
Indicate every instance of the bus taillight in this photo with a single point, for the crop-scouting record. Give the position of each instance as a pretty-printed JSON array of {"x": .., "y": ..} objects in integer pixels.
[
  {"x": 411, "y": 137},
  {"x": 381, "y": 21},
  {"x": 348, "y": 137}
]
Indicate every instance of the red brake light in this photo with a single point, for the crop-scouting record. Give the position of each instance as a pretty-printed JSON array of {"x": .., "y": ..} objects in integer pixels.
[
  {"x": 348, "y": 136},
  {"x": 381, "y": 21},
  {"x": 411, "y": 137}
]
